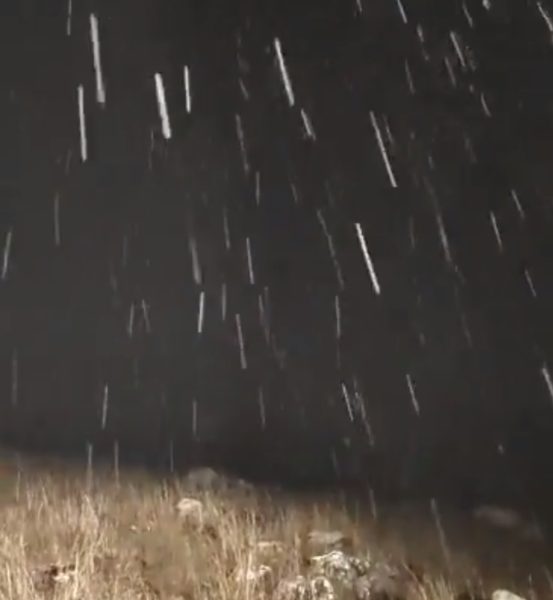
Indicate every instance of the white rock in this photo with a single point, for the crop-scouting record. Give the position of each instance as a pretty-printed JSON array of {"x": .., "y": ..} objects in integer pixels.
[
  {"x": 322, "y": 589},
  {"x": 190, "y": 509},
  {"x": 336, "y": 566},
  {"x": 505, "y": 595},
  {"x": 362, "y": 589},
  {"x": 293, "y": 589},
  {"x": 254, "y": 575}
]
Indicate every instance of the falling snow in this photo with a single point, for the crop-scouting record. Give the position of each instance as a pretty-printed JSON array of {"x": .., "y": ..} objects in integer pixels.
[{"x": 257, "y": 202}]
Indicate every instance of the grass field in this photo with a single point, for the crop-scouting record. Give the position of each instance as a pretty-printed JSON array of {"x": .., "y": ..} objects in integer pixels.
[{"x": 68, "y": 533}]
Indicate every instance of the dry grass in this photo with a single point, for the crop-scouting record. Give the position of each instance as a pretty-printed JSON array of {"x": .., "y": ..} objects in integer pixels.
[{"x": 62, "y": 538}]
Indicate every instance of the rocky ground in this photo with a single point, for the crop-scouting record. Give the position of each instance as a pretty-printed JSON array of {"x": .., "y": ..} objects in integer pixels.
[{"x": 66, "y": 534}]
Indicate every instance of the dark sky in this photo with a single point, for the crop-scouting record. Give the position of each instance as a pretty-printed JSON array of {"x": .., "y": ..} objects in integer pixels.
[{"x": 442, "y": 376}]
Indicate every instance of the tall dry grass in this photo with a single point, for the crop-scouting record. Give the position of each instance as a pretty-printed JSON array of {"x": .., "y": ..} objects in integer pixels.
[{"x": 63, "y": 535}]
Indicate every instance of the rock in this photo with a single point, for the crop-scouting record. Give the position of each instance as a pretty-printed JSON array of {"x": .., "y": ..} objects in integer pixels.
[
  {"x": 505, "y": 595},
  {"x": 293, "y": 589},
  {"x": 497, "y": 516},
  {"x": 336, "y": 566},
  {"x": 208, "y": 480},
  {"x": 384, "y": 581},
  {"x": 327, "y": 540},
  {"x": 339, "y": 567},
  {"x": 203, "y": 478},
  {"x": 190, "y": 510},
  {"x": 362, "y": 588},
  {"x": 509, "y": 519},
  {"x": 261, "y": 574},
  {"x": 302, "y": 588},
  {"x": 321, "y": 589}
]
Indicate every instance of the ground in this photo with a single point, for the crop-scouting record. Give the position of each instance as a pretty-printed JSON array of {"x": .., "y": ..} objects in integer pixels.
[{"x": 66, "y": 532}]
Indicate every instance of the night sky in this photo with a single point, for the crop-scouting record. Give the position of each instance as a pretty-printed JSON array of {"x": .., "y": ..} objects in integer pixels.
[{"x": 333, "y": 262}]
